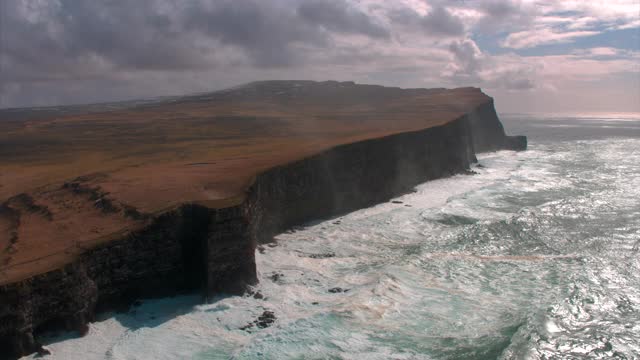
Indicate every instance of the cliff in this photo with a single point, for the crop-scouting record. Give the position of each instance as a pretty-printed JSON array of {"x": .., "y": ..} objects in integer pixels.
[
  {"x": 489, "y": 133},
  {"x": 209, "y": 246}
]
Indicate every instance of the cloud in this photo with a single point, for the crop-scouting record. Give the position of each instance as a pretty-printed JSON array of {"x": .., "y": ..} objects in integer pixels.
[
  {"x": 517, "y": 81},
  {"x": 629, "y": 25},
  {"x": 69, "y": 51},
  {"x": 71, "y": 39},
  {"x": 565, "y": 21},
  {"x": 438, "y": 22},
  {"x": 530, "y": 23},
  {"x": 80, "y": 39},
  {"x": 542, "y": 36},
  {"x": 472, "y": 67},
  {"x": 267, "y": 33},
  {"x": 598, "y": 51},
  {"x": 341, "y": 17},
  {"x": 621, "y": 11},
  {"x": 467, "y": 56},
  {"x": 497, "y": 16}
]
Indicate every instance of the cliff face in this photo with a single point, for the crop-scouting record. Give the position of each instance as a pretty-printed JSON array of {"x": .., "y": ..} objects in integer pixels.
[
  {"x": 488, "y": 132},
  {"x": 358, "y": 175},
  {"x": 195, "y": 248},
  {"x": 192, "y": 248}
]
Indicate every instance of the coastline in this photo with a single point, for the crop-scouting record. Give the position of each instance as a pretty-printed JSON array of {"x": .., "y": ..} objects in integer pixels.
[{"x": 197, "y": 248}]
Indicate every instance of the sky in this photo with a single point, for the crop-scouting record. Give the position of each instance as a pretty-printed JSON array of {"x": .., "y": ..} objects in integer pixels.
[{"x": 532, "y": 56}]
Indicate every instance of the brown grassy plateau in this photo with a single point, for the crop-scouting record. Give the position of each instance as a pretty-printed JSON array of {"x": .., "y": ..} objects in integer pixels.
[{"x": 73, "y": 177}]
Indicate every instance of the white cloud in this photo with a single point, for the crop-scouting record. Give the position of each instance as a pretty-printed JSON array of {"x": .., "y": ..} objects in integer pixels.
[
  {"x": 541, "y": 36},
  {"x": 603, "y": 10},
  {"x": 538, "y": 23},
  {"x": 598, "y": 51},
  {"x": 629, "y": 25}
]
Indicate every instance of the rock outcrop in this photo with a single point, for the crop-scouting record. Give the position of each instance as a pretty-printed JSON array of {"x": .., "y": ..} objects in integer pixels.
[{"x": 196, "y": 248}]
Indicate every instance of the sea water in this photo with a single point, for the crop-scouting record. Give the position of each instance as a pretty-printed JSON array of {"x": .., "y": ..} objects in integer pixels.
[{"x": 534, "y": 257}]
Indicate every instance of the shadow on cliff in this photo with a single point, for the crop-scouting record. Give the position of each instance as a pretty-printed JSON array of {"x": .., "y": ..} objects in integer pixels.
[
  {"x": 151, "y": 313},
  {"x": 148, "y": 313}
]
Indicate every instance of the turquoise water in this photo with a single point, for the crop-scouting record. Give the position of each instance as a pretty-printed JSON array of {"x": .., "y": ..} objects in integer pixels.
[{"x": 535, "y": 257}]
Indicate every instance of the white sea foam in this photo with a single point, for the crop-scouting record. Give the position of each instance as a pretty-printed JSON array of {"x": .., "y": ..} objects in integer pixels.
[{"x": 507, "y": 262}]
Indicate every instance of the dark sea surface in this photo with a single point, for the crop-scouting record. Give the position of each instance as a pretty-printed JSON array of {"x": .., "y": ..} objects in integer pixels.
[{"x": 535, "y": 257}]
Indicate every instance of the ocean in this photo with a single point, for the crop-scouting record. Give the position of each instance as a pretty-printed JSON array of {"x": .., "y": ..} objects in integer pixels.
[{"x": 534, "y": 257}]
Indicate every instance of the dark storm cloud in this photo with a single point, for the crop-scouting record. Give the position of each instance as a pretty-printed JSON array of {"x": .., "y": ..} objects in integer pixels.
[
  {"x": 499, "y": 15},
  {"x": 135, "y": 36},
  {"x": 264, "y": 30},
  {"x": 338, "y": 16},
  {"x": 86, "y": 39},
  {"x": 500, "y": 9},
  {"x": 80, "y": 39},
  {"x": 438, "y": 22}
]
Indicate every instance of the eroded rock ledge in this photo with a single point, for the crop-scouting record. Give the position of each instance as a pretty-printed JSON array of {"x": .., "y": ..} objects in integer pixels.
[{"x": 196, "y": 248}]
